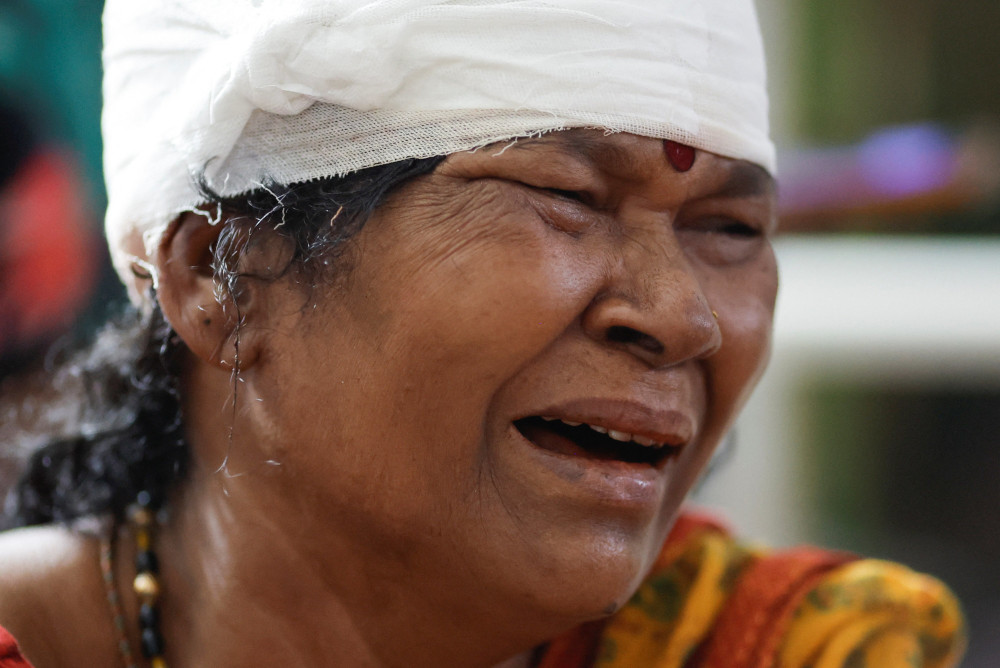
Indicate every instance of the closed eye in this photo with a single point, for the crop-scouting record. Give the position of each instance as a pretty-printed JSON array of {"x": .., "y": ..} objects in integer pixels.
[
  {"x": 722, "y": 240},
  {"x": 562, "y": 209},
  {"x": 560, "y": 193},
  {"x": 736, "y": 228},
  {"x": 574, "y": 195}
]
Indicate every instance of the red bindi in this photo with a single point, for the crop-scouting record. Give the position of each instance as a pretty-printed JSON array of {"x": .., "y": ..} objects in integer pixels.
[{"x": 681, "y": 156}]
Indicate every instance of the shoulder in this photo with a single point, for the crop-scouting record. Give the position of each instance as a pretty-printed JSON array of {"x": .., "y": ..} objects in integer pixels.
[{"x": 51, "y": 593}]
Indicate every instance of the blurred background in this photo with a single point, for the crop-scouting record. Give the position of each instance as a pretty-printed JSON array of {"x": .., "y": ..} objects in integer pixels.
[
  {"x": 877, "y": 426},
  {"x": 55, "y": 281}
]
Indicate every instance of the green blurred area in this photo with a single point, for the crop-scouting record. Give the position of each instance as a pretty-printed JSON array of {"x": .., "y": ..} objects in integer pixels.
[
  {"x": 50, "y": 69},
  {"x": 870, "y": 64},
  {"x": 50, "y": 64},
  {"x": 864, "y": 65}
]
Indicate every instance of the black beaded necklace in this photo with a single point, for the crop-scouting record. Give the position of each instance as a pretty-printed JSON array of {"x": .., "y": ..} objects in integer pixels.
[{"x": 146, "y": 585}]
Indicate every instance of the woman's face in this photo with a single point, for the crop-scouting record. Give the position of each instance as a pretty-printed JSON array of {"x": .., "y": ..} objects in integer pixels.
[{"x": 530, "y": 358}]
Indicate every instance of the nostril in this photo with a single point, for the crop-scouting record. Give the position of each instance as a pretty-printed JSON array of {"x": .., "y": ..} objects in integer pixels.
[{"x": 629, "y": 336}]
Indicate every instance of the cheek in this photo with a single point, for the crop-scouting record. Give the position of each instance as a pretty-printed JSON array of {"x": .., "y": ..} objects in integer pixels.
[
  {"x": 417, "y": 345},
  {"x": 483, "y": 305},
  {"x": 745, "y": 304}
]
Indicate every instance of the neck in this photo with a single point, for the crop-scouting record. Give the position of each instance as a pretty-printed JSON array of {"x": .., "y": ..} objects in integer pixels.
[{"x": 245, "y": 585}]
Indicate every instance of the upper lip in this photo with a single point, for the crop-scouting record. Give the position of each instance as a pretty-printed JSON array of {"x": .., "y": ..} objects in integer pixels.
[{"x": 659, "y": 423}]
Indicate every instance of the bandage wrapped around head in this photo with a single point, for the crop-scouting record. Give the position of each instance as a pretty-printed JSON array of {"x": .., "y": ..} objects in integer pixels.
[{"x": 246, "y": 92}]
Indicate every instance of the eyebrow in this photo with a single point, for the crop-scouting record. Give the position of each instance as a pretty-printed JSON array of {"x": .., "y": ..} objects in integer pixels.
[
  {"x": 745, "y": 179},
  {"x": 575, "y": 145},
  {"x": 588, "y": 150}
]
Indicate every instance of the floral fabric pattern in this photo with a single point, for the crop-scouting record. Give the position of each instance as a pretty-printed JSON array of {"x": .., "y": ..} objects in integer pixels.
[{"x": 712, "y": 602}]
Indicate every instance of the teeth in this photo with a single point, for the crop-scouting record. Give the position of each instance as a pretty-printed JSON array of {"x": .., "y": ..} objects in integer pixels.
[
  {"x": 548, "y": 418},
  {"x": 613, "y": 433}
]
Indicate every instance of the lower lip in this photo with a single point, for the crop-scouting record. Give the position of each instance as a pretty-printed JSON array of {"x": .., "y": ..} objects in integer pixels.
[{"x": 603, "y": 482}]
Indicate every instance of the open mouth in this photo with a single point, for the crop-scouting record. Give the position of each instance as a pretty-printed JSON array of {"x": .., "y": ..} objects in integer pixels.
[{"x": 591, "y": 441}]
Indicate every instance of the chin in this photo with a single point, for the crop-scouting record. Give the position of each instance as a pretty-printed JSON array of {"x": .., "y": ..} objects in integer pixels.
[{"x": 592, "y": 577}]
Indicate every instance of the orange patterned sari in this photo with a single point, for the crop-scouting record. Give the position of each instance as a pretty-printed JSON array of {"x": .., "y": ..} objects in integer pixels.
[{"x": 711, "y": 602}]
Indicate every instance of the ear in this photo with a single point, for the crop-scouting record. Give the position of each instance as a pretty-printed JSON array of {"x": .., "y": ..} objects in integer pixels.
[{"x": 210, "y": 323}]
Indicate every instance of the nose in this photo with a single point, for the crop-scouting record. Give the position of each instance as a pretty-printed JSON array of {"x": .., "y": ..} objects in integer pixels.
[{"x": 654, "y": 308}]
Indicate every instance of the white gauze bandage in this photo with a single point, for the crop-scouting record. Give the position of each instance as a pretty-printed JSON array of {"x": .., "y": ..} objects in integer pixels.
[{"x": 244, "y": 92}]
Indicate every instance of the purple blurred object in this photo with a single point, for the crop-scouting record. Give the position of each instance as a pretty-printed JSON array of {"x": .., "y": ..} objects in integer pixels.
[
  {"x": 908, "y": 160},
  {"x": 890, "y": 165}
]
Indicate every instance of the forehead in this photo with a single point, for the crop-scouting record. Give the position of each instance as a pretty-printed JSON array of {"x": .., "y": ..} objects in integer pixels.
[{"x": 632, "y": 157}]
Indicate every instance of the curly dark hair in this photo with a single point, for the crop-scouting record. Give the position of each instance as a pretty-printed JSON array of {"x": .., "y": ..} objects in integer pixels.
[{"x": 126, "y": 434}]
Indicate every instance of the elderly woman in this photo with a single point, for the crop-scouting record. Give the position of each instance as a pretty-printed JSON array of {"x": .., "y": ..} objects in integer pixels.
[{"x": 442, "y": 309}]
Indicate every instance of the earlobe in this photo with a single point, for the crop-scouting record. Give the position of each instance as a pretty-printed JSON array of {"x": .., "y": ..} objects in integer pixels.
[{"x": 210, "y": 323}]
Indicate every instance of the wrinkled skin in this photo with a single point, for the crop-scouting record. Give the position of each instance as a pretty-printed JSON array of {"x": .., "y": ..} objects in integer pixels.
[
  {"x": 377, "y": 502},
  {"x": 570, "y": 269}
]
